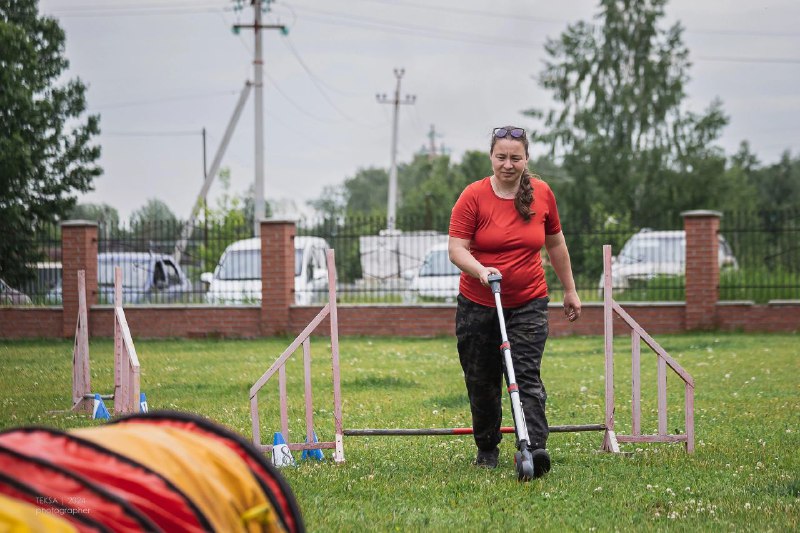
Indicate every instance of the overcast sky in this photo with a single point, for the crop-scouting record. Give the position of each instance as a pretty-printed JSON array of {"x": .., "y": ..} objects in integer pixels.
[{"x": 159, "y": 71}]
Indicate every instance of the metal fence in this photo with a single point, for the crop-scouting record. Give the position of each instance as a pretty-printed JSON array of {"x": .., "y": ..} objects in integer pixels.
[
  {"x": 766, "y": 246},
  {"x": 411, "y": 265},
  {"x": 44, "y": 284},
  {"x": 759, "y": 260}
]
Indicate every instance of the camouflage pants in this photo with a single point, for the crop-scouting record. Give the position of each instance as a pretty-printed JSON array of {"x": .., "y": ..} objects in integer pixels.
[{"x": 478, "y": 334}]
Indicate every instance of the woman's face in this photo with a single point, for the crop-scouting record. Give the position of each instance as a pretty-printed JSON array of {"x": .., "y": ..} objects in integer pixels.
[{"x": 508, "y": 160}]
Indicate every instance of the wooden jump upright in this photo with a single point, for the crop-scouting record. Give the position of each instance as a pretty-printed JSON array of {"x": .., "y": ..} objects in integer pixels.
[
  {"x": 639, "y": 335},
  {"x": 610, "y": 439},
  {"x": 329, "y": 310},
  {"x": 126, "y": 362}
]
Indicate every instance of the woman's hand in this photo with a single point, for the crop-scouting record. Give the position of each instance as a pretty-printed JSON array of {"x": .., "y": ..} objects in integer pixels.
[
  {"x": 572, "y": 305},
  {"x": 485, "y": 273}
]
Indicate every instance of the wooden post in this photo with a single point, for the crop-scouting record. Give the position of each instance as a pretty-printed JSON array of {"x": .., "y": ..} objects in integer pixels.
[{"x": 81, "y": 366}]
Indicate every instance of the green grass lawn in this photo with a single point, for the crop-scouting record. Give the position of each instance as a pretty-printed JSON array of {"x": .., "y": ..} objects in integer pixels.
[{"x": 744, "y": 475}]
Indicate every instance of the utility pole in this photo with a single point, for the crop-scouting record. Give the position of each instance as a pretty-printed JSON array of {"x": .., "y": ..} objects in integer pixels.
[
  {"x": 205, "y": 204},
  {"x": 258, "y": 74},
  {"x": 382, "y": 99},
  {"x": 432, "y": 143}
]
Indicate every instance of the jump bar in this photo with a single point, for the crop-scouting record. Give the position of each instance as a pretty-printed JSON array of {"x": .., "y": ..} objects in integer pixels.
[
  {"x": 459, "y": 431},
  {"x": 103, "y": 396}
]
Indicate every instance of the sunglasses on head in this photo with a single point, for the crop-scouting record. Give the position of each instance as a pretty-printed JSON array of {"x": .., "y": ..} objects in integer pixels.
[{"x": 516, "y": 133}]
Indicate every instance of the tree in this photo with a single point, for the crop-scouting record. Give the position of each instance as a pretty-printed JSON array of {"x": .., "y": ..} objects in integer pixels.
[
  {"x": 248, "y": 201},
  {"x": 46, "y": 150},
  {"x": 154, "y": 211},
  {"x": 779, "y": 184},
  {"x": 331, "y": 204},
  {"x": 620, "y": 129},
  {"x": 367, "y": 191},
  {"x": 102, "y": 213}
]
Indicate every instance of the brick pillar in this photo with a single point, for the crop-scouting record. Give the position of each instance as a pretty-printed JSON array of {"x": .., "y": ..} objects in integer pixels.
[
  {"x": 702, "y": 268},
  {"x": 78, "y": 252},
  {"x": 277, "y": 275}
]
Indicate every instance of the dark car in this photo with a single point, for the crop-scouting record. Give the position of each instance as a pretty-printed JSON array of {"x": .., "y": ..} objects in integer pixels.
[{"x": 146, "y": 278}]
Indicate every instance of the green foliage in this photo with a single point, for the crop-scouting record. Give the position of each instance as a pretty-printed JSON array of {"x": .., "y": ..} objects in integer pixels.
[
  {"x": 429, "y": 186},
  {"x": 228, "y": 222},
  {"x": 619, "y": 129},
  {"x": 366, "y": 192},
  {"x": 778, "y": 185},
  {"x": 154, "y": 210},
  {"x": 46, "y": 150},
  {"x": 101, "y": 213},
  {"x": 742, "y": 476}
]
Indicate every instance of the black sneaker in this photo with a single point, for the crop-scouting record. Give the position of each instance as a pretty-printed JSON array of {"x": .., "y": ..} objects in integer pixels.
[
  {"x": 541, "y": 462},
  {"x": 487, "y": 459}
]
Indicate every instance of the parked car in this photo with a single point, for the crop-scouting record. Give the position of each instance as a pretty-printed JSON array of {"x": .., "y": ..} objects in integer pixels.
[
  {"x": 237, "y": 277},
  {"x": 11, "y": 296},
  {"x": 45, "y": 287},
  {"x": 657, "y": 253},
  {"x": 146, "y": 278},
  {"x": 437, "y": 278}
]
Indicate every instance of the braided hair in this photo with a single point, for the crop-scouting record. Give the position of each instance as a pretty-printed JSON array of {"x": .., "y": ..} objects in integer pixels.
[{"x": 524, "y": 199}]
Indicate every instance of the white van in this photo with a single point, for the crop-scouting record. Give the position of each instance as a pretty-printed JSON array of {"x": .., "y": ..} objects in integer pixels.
[{"x": 237, "y": 278}]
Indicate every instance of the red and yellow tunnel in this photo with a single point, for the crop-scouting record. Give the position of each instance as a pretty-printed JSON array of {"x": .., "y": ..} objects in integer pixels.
[{"x": 160, "y": 471}]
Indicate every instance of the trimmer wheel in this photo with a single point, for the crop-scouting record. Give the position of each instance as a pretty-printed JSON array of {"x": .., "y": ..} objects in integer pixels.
[{"x": 524, "y": 464}]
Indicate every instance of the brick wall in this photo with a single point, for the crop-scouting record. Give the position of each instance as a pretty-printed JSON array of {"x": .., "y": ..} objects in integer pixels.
[
  {"x": 702, "y": 268},
  {"x": 182, "y": 321},
  {"x": 277, "y": 315},
  {"x": 277, "y": 274},
  {"x": 79, "y": 252}
]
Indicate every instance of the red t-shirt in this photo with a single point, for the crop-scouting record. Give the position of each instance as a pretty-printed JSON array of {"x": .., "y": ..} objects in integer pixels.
[{"x": 499, "y": 237}]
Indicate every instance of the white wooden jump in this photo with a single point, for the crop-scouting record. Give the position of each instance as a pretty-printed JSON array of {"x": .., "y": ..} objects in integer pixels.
[
  {"x": 126, "y": 362},
  {"x": 279, "y": 366},
  {"x": 638, "y": 334},
  {"x": 610, "y": 439}
]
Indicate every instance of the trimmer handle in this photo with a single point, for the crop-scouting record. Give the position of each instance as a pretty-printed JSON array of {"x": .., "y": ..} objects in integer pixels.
[{"x": 494, "y": 282}]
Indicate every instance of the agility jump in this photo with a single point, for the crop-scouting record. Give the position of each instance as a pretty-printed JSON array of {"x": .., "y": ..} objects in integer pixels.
[
  {"x": 126, "y": 393},
  {"x": 610, "y": 441}
]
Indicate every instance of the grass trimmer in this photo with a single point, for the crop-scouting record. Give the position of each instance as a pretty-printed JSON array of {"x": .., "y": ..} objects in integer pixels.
[{"x": 523, "y": 460}]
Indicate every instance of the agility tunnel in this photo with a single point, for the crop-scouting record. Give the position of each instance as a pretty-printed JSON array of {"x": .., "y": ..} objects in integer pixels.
[{"x": 160, "y": 471}]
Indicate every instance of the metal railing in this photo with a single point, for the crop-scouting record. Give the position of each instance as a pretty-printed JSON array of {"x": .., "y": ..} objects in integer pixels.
[
  {"x": 759, "y": 261},
  {"x": 766, "y": 246}
]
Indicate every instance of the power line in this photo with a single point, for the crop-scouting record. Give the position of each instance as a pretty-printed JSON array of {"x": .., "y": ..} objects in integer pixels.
[
  {"x": 517, "y": 17},
  {"x": 317, "y": 82},
  {"x": 466, "y": 11},
  {"x": 327, "y": 17},
  {"x": 780, "y": 60},
  {"x": 179, "y": 133},
  {"x": 338, "y": 19},
  {"x": 296, "y": 105},
  {"x": 181, "y": 98},
  {"x": 115, "y": 10},
  {"x": 290, "y": 46}
]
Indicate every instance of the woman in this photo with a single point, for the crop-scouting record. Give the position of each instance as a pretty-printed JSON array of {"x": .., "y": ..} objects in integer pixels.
[{"x": 498, "y": 226}]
